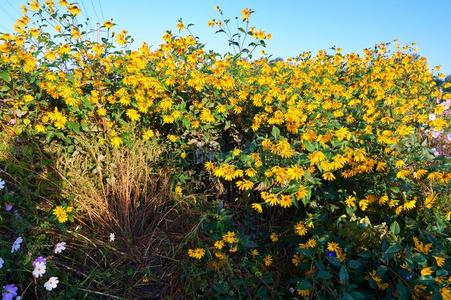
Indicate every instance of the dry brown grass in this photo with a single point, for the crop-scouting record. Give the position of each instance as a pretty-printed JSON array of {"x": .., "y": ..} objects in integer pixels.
[{"x": 124, "y": 191}]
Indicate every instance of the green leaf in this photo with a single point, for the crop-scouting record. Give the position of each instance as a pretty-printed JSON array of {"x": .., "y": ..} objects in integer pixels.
[
  {"x": 311, "y": 147},
  {"x": 303, "y": 285},
  {"x": 333, "y": 260},
  {"x": 5, "y": 76},
  {"x": 186, "y": 123},
  {"x": 394, "y": 228},
  {"x": 402, "y": 291},
  {"x": 343, "y": 274},
  {"x": 75, "y": 127},
  {"x": 392, "y": 249},
  {"x": 354, "y": 264},
  {"x": 324, "y": 275},
  {"x": 275, "y": 132}
]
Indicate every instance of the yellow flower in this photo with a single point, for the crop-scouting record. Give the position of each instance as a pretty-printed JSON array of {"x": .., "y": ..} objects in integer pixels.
[
  {"x": 75, "y": 34},
  {"x": 196, "y": 253},
  {"x": 133, "y": 114},
  {"x": 271, "y": 199},
  {"x": 316, "y": 157},
  {"x": 121, "y": 38},
  {"x": 39, "y": 128},
  {"x": 301, "y": 193},
  {"x": 230, "y": 237},
  {"x": 328, "y": 176},
  {"x": 311, "y": 243},
  {"x": 274, "y": 237},
  {"x": 440, "y": 261},
  {"x": 211, "y": 23},
  {"x": 254, "y": 252},
  {"x": 34, "y": 5},
  {"x": 399, "y": 164},
  {"x": 426, "y": 271},
  {"x": 245, "y": 14},
  {"x": 233, "y": 249},
  {"x": 257, "y": 207},
  {"x": 409, "y": 205},
  {"x": 300, "y": 229},
  {"x": 303, "y": 293},
  {"x": 178, "y": 191},
  {"x": 350, "y": 202},
  {"x": 296, "y": 259},
  {"x": 73, "y": 9},
  {"x": 167, "y": 37},
  {"x": 295, "y": 172},
  {"x": 148, "y": 134},
  {"x": 116, "y": 142},
  {"x": 180, "y": 25},
  {"x": 108, "y": 24},
  {"x": 244, "y": 185},
  {"x": 206, "y": 116},
  {"x": 220, "y": 255},
  {"x": 101, "y": 111},
  {"x": 267, "y": 260},
  {"x": 209, "y": 166},
  {"x": 402, "y": 174},
  {"x": 430, "y": 200},
  {"x": 60, "y": 214},
  {"x": 285, "y": 201},
  {"x": 363, "y": 204},
  {"x": 219, "y": 245},
  {"x": 423, "y": 248},
  {"x": 172, "y": 138}
]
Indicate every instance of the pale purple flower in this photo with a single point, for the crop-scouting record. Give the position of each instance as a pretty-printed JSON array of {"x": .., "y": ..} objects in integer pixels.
[
  {"x": 39, "y": 259},
  {"x": 51, "y": 283},
  {"x": 39, "y": 269},
  {"x": 436, "y": 134},
  {"x": 8, "y": 206},
  {"x": 2, "y": 184},
  {"x": 16, "y": 244},
  {"x": 60, "y": 247},
  {"x": 446, "y": 104},
  {"x": 1, "y": 262},
  {"x": 432, "y": 117},
  {"x": 435, "y": 152},
  {"x": 9, "y": 292},
  {"x": 448, "y": 137}
]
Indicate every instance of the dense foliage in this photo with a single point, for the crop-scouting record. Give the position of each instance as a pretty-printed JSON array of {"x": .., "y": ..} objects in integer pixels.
[{"x": 318, "y": 170}]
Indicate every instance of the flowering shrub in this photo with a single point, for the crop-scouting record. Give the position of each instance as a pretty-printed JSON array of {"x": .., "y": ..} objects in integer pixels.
[{"x": 321, "y": 164}]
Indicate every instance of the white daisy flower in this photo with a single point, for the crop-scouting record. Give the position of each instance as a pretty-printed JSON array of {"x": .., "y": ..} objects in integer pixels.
[
  {"x": 51, "y": 283},
  {"x": 16, "y": 244},
  {"x": 60, "y": 247},
  {"x": 112, "y": 237},
  {"x": 39, "y": 269}
]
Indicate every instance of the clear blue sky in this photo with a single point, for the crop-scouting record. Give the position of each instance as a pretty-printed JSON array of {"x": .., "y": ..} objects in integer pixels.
[{"x": 296, "y": 26}]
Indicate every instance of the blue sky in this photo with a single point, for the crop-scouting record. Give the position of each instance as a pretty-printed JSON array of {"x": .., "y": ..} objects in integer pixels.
[{"x": 296, "y": 26}]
